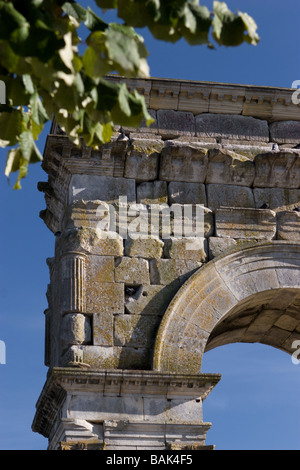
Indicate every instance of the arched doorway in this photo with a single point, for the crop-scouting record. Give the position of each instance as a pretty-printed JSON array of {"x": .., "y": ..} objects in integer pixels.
[
  {"x": 255, "y": 405},
  {"x": 249, "y": 295}
]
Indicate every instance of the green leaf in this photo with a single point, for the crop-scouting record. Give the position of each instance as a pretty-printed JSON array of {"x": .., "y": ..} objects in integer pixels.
[
  {"x": 10, "y": 126},
  {"x": 252, "y": 37},
  {"x": 228, "y": 28},
  {"x": 28, "y": 83},
  {"x": 95, "y": 65},
  {"x": 28, "y": 148},
  {"x": 39, "y": 114},
  {"x": 11, "y": 20},
  {"x": 16, "y": 162},
  {"x": 87, "y": 16},
  {"x": 126, "y": 50}
]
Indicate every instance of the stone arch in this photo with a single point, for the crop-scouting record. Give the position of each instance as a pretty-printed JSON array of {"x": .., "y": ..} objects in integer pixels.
[{"x": 249, "y": 295}]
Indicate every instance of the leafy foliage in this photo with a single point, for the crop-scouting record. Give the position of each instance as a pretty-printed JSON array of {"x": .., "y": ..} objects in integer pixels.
[{"x": 48, "y": 75}]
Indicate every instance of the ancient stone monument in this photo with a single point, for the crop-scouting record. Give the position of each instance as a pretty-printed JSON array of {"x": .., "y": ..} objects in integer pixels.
[{"x": 133, "y": 308}]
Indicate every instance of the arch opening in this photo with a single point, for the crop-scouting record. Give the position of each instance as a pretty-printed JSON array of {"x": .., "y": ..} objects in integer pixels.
[
  {"x": 269, "y": 317},
  {"x": 250, "y": 295},
  {"x": 257, "y": 395}
]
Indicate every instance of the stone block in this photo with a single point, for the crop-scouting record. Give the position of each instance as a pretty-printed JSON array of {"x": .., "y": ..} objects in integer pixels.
[
  {"x": 107, "y": 297},
  {"x": 227, "y": 195},
  {"x": 226, "y": 167},
  {"x": 285, "y": 132},
  {"x": 135, "y": 330},
  {"x": 103, "y": 188},
  {"x": 245, "y": 223},
  {"x": 103, "y": 329},
  {"x": 181, "y": 192},
  {"x": 82, "y": 214},
  {"x": 149, "y": 248},
  {"x": 224, "y": 99},
  {"x": 277, "y": 199},
  {"x": 100, "y": 357},
  {"x": 89, "y": 241},
  {"x": 286, "y": 322},
  {"x": 175, "y": 411},
  {"x": 151, "y": 299},
  {"x": 75, "y": 329},
  {"x": 100, "y": 269},
  {"x": 193, "y": 98},
  {"x": 192, "y": 248},
  {"x": 209, "y": 222},
  {"x": 279, "y": 169},
  {"x": 246, "y": 149},
  {"x": 230, "y": 126},
  {"x": 182, "y": 162},
  {"x": 174, "y": 123},
  {"x": 132, "y": 271},
  {"x": 165, "y": 271},
  {"x": 154, "y": 192},
  {"x": 164, "y": 94},
  {"x": 142, "y": 160},
  {"x": 129, "y": 357},
  {"x": 218, "y": 246},
  {"x": 288, "y": 225}
]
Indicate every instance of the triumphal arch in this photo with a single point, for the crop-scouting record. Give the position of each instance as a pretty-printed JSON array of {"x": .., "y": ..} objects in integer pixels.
[{"x": 170, "y": 240}]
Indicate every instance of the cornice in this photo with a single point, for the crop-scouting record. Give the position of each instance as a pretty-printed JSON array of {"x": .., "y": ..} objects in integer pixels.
[
  {"x": 265, "y": 102},
  {"x": 62, "y": 381}
]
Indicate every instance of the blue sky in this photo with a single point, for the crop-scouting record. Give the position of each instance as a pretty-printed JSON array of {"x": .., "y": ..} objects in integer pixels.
[{"x": 256, "y": 404}]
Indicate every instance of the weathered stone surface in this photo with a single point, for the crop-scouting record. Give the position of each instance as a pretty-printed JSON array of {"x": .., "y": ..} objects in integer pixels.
[
  {"x": 82, "y": 214},
  {"x": 232, "y": 127},
  {"x": 100, "y": 357},
  {"x": 209, "y": 222},
  {"x": 182, "y": 162},
  {"x": 92, "y": 241},
  {"x": 130, "y": 357},
  {"x": 277, "y": 170},
  {"x": 150, "y": 247},
  {"x": 151, "y": 299},
  {"x": 249, "y": 293},
  {"x": 135, "y": 330},
  {"x": 192, "y": 248},
  {"x": 227, "y": 195},
  {"x": 165, "y": 271},
  {"x": 186, "y": 193},
  {"x": 277, "y": 199},
  {"x": 245, "y": 223},
  {"x": 100, "y": 269},
  {"x": 152, "y": 192},
  {"x": 103, "y": 188},
  {"x": 285, "y": 132},
  {"x": 105, "y": 297},
  {"x": 226, "y": 167},
  {"x": 103, "y": 329},
  {"x": 132, "y": 271},
  {"x": 288, "y": 225},
  {"x": 174, "y": 123},
  {"x": 75, "y": 329},
  {"x": 142, "y": 160},
  {"x": 218, "y": 246}
]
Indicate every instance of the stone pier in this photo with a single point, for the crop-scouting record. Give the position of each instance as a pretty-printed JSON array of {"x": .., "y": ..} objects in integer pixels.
[{"x": 141, "y": 284}]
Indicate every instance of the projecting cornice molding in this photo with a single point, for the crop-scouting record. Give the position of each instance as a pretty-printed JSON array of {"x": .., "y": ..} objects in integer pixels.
[{"x": 270, "y": 103}]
